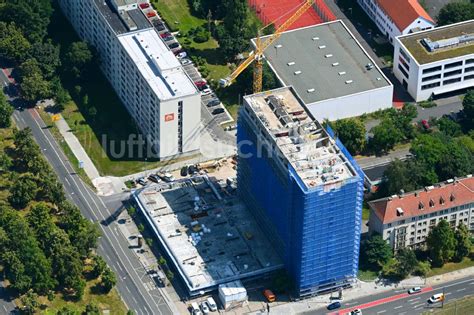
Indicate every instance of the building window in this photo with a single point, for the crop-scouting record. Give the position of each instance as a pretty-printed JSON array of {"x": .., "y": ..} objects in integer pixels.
[
  {"x": 404, "y": 55},
  {"x": 469, "y": 77},
  {"x": 451, "y": 73},
  {"x": 431, "y": 77},
  {"x": 403, "y": 71},
  {"x": 451, "y": 81},
  {"x": 432, "y": 69},
  {"x": 430, "y": 86},
  {"x": 453, "y": 64},
  {"x": 469, "y": 61},
  {"x": 404, "y": 63},
  {"x": 470, "y": 69}
]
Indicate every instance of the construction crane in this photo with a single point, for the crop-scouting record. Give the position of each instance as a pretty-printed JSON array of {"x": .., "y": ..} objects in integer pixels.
[{"x": 260, "y": 46}]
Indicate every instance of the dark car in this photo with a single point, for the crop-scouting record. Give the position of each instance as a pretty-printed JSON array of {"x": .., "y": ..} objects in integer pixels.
[
  {"x": 192, "y": 169},
  {"x": 334, "y": 305},
  {"x": 154, "y": 178},
  {"x": 168, "y": 38},
  {"x": 184, "y": 171},
  {"x": 213, "y": 102},
  {"x": 217, "y": 111},
  {"x": 173, "y": 45},
  {"x": 160, "y": 28}
]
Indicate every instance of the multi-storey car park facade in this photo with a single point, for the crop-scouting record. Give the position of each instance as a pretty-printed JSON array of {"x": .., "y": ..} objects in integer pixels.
[
  {"x": 304, "y": 189},
  {"x": 395, "y": 18},
  {"x": 405, "y": 220},
  {"x": 330, "y": 71},
  {"x": 436, "y": 61},
  {"x": 145, "y": 74}
]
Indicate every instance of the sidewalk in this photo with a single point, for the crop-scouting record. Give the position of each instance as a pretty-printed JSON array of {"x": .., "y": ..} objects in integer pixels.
[{"x": 364, "y": 289}]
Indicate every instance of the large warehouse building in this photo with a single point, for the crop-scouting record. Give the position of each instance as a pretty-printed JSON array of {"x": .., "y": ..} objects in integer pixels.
[
  {"x": 436, "y": 61},
  {"x": 330, "y": 71},
  {"x": 145, "y": 74},
  {"x": 304, "y": 189}
]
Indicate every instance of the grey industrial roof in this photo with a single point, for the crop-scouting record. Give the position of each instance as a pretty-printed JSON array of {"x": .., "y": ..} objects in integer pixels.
[
  {"x": 421, "y": 54},
  {"x": 314, "y": 50},
  {"x": 114, "y": 20}
]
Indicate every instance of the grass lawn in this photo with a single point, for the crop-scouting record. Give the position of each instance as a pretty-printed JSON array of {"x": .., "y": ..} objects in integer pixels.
[
  {"x": 463, "y": 306},
  {"x": 452, "y": 266},
  {"x": 177, "y": 14},
  {"x": 367, "y": 275},
  {"x": 110, "y": 301}
]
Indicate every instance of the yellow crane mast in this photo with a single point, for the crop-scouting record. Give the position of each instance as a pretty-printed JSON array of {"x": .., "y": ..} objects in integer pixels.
[{"x": 260, "y": 46}]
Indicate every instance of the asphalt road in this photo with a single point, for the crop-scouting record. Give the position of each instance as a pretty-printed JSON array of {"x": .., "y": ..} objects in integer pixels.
[
  {"x": 112, "y": 245},
  {"x": 400, "y": 302}
]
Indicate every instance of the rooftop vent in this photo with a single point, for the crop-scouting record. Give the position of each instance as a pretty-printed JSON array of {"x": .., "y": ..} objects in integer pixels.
[
  {"x": 297, "y": 72},
  {"x": 349, "y": 81},
  {"x": 315, "y": 38},
  {"x": 310, "y": 90},
  {"x": 342, "y": 73},
  {"x": 291, "y": 63},
  {"x": 441, "y": 200},
  {"x": 322, "y": 46},
  {"x": 432, "y": 203},
  {"x": 379, "y": 78},
  {"x": 328, "y": 56},
  {"x": 399, "y": 212},
  {"x": 335, "y": 64},
  {"x": 428, "y": 188},
  {"x": 450, "y": 181},
  {"x": 448, "y": 42}
]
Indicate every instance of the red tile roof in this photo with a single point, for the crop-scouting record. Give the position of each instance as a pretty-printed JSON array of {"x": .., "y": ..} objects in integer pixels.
[
  {"x": 403, "y": 12},
  {"x": 442, "y": 196}
]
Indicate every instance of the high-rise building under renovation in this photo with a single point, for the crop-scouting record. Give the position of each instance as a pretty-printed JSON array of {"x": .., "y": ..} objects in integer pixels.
[{"x": 303, "y": 187}]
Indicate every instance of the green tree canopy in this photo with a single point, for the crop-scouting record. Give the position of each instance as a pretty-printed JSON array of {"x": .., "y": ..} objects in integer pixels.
[
  {"x": 468, "y": 107},
  {"x": 78, "y": 57},
  {"x": 385, "y": 136},
  {"x": 108, "y": 280},
  {"x": 463, "y": 242},
  {"x": 455, "y": 12},
  {"x": 351, "y": 132},
  {"x": 376, "y": 252},
  {"x": 6, "y": 111},
  {"x": 441, "y": 243},
  {"x": 35, "y": 87},
  {"x": 47, "y": 55},
  {"x": 22, "y": 191},
  {"x": 449, "y": 127},
  {"x": 407, "y": 262},
  {"x": 13, "y": 45}
]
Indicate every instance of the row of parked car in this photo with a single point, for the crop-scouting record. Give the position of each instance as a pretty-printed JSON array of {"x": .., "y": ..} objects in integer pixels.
[
  {"x": 156, "y": 178},
  {"x": 209, "y": 305}
]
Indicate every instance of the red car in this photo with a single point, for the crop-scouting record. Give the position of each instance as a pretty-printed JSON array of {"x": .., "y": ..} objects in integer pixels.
[
  {"x": 165, "y": 34},
  {"x": 200, "y": 84},
  {"x": 425, "y": 124},
  {"x": 151, "y": 14},
  {"x": 144, "y": 5}
]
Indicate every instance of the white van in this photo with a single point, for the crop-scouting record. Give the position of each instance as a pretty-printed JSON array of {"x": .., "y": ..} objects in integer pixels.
[
  {"x": 436, "y": 298},
  {"x": 195, "y": 309}
]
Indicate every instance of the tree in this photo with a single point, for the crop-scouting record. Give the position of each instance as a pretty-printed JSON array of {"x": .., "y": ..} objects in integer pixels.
[
  {"x": 441, "y": 243},
  {"x": 5, "y": 162},
  {"x": 403, "y": 175},
  {"x": 98, "y": 266},
  {"x": 463, "y": 242},
  {"x": 449, "y": 127},
  {"x": 376, "y": 252},
  {"x": 50, "y": 188},
  {"x": 108, "y": 280},
  {"x": 422, "y": 269},
  {"x": 47, "y": 55},
  {"x": 468, "y": 107},
  {"x": 22, "y": 192},
  {"x": 6, "y": 111},
  {"x": 91, "y": 309},
  {"x": 13, "y": 45},
  {"x": 385, "y": 136},
  {"x": 77, "y": 57},
  {"x": 455, "y": 12},
  {"x": 403, "y": 120},
  {"x": 92, "y": 112},
  {"x": 60, "y": 94},
  {"x": 66, "y": 310},
  {"x": 428, "y": 150},
  {"x": 351, "y": 132},
  {"x": 407, "y": 262},
  {"x": 30, "y": 302},
  {"x": 28, "y": 68},
  {"x": 35, "y": 87},
  {"x": 457, "y": 161}
]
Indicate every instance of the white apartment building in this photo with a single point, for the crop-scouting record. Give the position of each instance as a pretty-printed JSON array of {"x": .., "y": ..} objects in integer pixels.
[
  {"x": 436, "y": 61},
  {"x": 397, "y": 17},
  {"x": 405, "y": 220},
  {"x": 145, "y": 74}
]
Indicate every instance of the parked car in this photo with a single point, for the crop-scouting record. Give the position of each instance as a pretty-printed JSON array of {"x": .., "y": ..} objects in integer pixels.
[
  {"x": 219, "y": 110},
  {"x": 357, "y": 311},
  {"x": 160, "y": 27},
  {"x": 151, "y": 14},
  {"x": 165, "y": 34},
  {"x": 414, "y": 290},
  {"x": 184, "y": 171},
  {"x": 154, "y": 178},
  {"x": 167, "y": 39},
  {"x": 213, "y": 102},
  {"x": 142, "y": 181},
  {"x": 204, "y": 308},
  {"x": 192, "y": 169},
  {"x": 181, "y": 55},
  {"x": 173, "y": 45},
  {"x": 436, "y": 298},
  {"x": 186, "y": 61},
  {"x": 167, "y": 177},
  {"x": 268, "y": 294},
  {"x": 195, "y": 309},
  {"x": 212, "y": 304},
  {"x": 206, "y": 91},
  {"x": 334, "y": 306},
  {"x": 425, "y": 124},
  {"x": 144, "y": 5}
]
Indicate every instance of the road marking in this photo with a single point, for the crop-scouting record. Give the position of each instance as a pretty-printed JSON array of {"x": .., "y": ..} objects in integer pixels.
[
  {"x": 414, "y": 299},
  {"x": 380, "y": 312},
  {"x": 65, "y": 178},
  {"x": 416, "y": 306},
  {"x": 449, "y": 293},
  {"x": 396, "y": 308},
  {"x": 461, "y": 290}
]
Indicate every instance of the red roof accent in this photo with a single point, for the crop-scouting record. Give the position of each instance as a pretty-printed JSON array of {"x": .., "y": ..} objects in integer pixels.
[
  {"x": 444, "y": 196},
  {"x": 403, "y": 12}
]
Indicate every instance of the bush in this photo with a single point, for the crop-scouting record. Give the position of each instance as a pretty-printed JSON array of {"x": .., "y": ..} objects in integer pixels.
[
  {"x": 427, "y": 104},
  {"x": 201, "y": 35}
]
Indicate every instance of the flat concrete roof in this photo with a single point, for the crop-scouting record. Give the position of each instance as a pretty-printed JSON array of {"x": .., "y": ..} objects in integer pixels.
[
  {"x": 412, "y": 42},
  {"x": 157, "y": 64},
  {"x": 321, "y": 59},
  {"x": 302, "y": 140},
  {"x": 209, "y": 234},
  {"x": 134, "y": 17}
]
